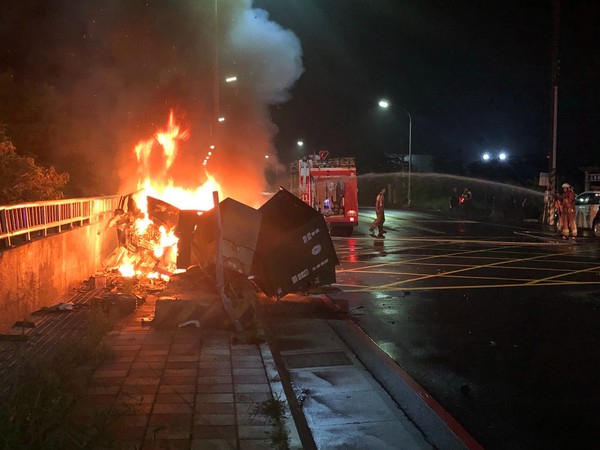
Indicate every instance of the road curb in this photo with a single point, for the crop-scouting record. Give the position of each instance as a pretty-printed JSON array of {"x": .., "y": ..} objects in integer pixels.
[
  {"x": 439, "y": 427},
  {"x": 294, "y": 442}
]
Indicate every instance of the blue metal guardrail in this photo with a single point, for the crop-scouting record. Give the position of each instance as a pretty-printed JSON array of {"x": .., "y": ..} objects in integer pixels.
[{"x": 52, "y": 216}]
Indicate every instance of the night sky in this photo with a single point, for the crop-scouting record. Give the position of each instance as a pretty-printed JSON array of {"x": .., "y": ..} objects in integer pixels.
[{"x": 475, "y": 76}]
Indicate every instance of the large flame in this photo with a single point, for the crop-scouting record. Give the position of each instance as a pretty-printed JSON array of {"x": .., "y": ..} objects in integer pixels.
[{"x": 161, "y": 241}]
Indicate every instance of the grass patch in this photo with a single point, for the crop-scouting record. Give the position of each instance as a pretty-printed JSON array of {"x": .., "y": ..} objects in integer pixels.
[
  {"x": 274, "y": 409},
  {"x": 43, "y": 409}
]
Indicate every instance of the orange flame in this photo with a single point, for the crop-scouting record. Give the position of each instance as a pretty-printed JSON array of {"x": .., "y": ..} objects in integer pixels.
[{"x": 164, "y": 243}]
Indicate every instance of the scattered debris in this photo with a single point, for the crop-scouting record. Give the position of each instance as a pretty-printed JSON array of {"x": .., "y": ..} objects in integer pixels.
[
  {"x": 60, "y": 307},
  {"x": 97, "y": 282},
  {"x": 302, "y": 396},
  {"x": 189, "y": 323}
]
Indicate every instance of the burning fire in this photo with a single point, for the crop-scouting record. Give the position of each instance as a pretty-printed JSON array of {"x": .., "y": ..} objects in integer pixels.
[{"x": 152, "y": 247}]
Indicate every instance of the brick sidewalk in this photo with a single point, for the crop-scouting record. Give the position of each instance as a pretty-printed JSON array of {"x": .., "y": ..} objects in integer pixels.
[{"x": 187, "y": 388}]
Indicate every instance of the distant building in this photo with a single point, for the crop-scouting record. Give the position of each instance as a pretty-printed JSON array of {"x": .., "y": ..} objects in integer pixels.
[{"x": 419, "y": 163}]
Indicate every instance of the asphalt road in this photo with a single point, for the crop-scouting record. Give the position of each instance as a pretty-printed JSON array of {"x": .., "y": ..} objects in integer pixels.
[{"x": 500, "y": 323}]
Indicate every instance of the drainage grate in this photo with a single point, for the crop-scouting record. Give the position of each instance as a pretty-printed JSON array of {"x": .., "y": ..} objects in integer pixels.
[{"x": 303, "y": 360}]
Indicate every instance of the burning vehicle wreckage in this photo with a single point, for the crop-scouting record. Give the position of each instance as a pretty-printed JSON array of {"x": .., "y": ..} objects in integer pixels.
[{"x": 207, "y": 266}]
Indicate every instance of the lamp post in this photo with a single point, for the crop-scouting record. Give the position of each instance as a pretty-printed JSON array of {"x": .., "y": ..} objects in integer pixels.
[{"x": 385, "y": 104}]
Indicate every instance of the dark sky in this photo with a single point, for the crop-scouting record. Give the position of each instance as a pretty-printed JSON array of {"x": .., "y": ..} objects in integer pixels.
[{"x": 475, "y": 75}]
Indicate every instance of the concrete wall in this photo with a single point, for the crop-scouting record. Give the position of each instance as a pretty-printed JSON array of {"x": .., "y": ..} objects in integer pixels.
[{"x": 39, "y": 273}]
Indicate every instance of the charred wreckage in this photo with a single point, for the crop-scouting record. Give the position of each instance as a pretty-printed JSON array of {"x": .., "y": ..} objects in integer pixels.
[{"x": 213, "y": 262}]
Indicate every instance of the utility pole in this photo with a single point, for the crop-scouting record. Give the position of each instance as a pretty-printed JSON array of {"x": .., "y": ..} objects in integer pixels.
[{"x": 555, "y": 76}]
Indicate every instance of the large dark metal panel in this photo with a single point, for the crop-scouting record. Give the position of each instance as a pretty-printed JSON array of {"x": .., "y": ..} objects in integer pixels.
[
  {"x": 294, "y": 250},
  {"x": 188, "y": 221},
  {"x": 240, "y": 225},
  {"x": 162, "y": 213}
]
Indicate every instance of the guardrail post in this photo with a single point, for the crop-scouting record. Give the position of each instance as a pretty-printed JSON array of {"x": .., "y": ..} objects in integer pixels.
[
  {"x": 4, "y": 226},
  {"x": 25, "y": 212},
  {"x": 44, "y": 219}
]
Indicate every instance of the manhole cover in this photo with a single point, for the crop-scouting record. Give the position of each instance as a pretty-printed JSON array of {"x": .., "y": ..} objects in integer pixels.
[{"x": 302, "y": 360}]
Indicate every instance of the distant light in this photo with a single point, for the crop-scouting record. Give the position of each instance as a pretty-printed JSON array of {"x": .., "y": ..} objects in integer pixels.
[
  {"x": 300, "y": 143},
  {"x": 230, "y": 79},
  {"x": 502, "y": 156},
  {"x": 221, "y": 119},
  {"x": 486, "y": 156},
  {"x": 209, "y": 153},
  {"x": 212, "y": 147},
  {"x": 266, "y": 156},
  {"x": 383, "y": 103}
]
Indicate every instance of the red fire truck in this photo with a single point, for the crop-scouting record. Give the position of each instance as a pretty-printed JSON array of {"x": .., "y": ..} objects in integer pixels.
[{"x": 329, "y": 186}]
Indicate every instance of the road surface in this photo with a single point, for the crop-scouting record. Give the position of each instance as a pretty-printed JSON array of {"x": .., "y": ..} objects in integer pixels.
[{"x": 499, "y": 323}]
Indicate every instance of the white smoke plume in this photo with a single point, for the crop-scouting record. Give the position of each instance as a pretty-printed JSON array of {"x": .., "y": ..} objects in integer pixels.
[{"x": 118, "y": 68}]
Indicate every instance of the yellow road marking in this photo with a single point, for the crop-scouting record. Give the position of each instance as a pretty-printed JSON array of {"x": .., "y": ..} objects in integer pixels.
[
  {"x": 505, "y": 263},
  {"x": 484, "y": 286},
  {"x": 574, "y": 272}
]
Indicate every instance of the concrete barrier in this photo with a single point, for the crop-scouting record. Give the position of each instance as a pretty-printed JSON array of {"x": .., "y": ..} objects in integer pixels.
[{"x": 39, "y": 273}]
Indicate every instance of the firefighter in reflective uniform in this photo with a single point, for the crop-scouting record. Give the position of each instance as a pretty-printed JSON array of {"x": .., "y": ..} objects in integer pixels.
[
  {"x": 557, "y": 211},
  {"x": 567, "y": 213},
  {"x": 380, "y": 214}
]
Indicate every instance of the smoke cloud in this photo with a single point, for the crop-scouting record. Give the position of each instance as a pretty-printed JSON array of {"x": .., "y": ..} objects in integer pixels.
[{"x": 122, "y": 66}]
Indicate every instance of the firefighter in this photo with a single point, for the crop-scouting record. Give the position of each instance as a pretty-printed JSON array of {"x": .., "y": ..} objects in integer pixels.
[
  {"x": 379, "y": 211},
  {"x": 556, "y": 210},
  {"x": 465, "y": 201},
  {"x": 567, "y": 212},
  {"x": 454, "y": 202}
]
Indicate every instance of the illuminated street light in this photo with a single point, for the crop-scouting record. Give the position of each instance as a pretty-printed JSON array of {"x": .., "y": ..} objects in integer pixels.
[
  {"x": 230, "y": 79},
  {"x": 221, "y": 119},
  {"x": 300, "y": 143},
  {"x": 385, "y": 104},
  {"x": 502, "y": 156},
  {"x": 486, "y": 156}
]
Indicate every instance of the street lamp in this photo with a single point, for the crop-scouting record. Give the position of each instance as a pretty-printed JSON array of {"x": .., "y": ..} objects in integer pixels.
[{"x": 385, "y": 104}]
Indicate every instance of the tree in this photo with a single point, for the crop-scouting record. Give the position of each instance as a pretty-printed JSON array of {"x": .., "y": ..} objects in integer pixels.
[{"x": 21, "y": 180}]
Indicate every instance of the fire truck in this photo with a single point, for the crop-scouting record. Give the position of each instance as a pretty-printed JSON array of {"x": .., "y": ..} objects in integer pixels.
[{"x": 330, "y": 187}]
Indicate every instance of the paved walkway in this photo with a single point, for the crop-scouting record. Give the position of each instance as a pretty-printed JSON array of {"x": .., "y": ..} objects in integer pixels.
[
  {"x": 192, "y": 388},
  {"x": 186, "y": 388}
]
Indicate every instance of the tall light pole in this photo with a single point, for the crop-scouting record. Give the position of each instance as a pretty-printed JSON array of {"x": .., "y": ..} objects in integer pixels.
[{"x": 385, "y": 104}]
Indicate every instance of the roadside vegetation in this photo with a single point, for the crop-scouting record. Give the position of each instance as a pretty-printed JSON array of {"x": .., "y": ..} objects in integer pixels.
[
  {"x": 45, "y": 409},
  {"x": 274, "y": 409},
  {"x": 22, "y": 180}
]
